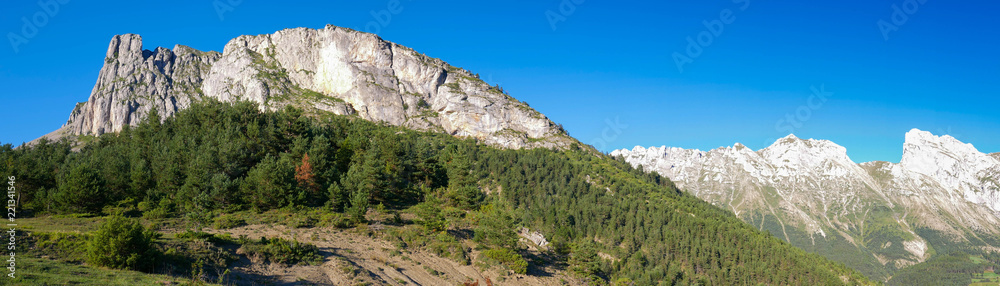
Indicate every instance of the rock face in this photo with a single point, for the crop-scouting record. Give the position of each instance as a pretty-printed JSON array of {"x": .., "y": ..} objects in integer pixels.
[
  {"x": 943, "y": 193},
  {"x": 956, "y": 166},
  {"x": 334, "y": 70},
  {"x": 133, "y": 81}
]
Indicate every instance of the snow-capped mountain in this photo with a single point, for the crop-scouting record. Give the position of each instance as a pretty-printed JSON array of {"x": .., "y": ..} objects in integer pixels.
[
  {"x": 874, "y": 216},
  {"x": 955, "y": 165}
]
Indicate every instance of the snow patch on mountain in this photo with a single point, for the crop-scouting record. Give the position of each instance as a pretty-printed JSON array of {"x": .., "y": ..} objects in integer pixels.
[
  {"x": 814, "y": 186},
  {"x": 957, "y": 166}
]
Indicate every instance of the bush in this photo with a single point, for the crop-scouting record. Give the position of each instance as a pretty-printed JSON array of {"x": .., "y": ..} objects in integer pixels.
[
  {"x": 336, "y": 220},
  {"x": 277, "y": 250},
  {"x": 508, "y": 258},
  {"x": 228, "y": 221},
  {"x": 301, "y": 221},
  {"x": 441, "y": 244},
  {"x": 122, "y": 243}
]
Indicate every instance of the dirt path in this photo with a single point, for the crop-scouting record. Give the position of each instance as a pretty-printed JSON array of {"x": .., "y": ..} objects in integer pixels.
[{"x": 352, "y": 258}]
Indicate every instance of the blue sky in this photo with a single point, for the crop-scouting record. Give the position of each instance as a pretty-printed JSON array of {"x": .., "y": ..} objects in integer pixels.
[{"x": 607, "y": 71}]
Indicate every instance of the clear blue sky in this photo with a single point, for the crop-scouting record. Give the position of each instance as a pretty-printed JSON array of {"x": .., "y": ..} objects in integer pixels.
[{"x": 606, "y": 61}]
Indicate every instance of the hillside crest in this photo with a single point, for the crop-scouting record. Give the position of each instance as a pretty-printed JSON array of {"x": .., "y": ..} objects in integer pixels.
[{"x": 333, "y": 70}]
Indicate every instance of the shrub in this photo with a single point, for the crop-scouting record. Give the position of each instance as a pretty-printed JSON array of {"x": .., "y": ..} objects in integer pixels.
[
  {"x": 301, "y": 221},
  {"x": 228, "y": 221},
  {"x": 122, "y": 243},
  {"x": 336, "y": 220},
  {"x": 277, "y": 250},
  {"x": 508, "y": 258}
]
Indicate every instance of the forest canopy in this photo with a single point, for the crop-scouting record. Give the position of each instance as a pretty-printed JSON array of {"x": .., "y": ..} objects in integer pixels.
[{"x": 612, "y": 222}]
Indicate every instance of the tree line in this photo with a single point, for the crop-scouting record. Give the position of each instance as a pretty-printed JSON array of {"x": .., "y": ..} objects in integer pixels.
[{"x": 609, "y": 221}]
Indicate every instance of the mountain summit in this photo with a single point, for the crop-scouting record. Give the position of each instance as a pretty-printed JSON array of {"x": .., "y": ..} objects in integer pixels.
[
  {"x": 335, "y": 70},
  {"x": 876, "y": 216},
  {"x": 956, "y": 166}
]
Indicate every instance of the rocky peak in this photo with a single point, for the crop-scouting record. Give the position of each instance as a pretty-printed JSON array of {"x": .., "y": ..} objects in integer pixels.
[
  {"x": 335, "y": 70},
  {"x": 941, "y": 156},
  {"x": 134, "y": 81},
  {"x": 957, "y": 166},
  {"x": 127, "y": 47},
  {"x": 932, "y": 155},
  {"x": 804, "y": 154}
]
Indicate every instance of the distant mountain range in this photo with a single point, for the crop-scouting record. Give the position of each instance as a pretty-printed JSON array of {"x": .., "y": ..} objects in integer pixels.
[{"x": 875, "y": 216}]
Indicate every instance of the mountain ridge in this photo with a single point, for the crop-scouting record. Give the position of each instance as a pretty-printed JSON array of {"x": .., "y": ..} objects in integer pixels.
[
  {"x": 334, "y": 70},
  {"x": 805, "y": 190}
]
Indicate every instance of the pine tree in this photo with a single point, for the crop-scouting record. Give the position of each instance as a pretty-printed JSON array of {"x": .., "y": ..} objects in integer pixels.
[
  {"x": 80, "y": 190},
  {"x": 307, "y": 180}
]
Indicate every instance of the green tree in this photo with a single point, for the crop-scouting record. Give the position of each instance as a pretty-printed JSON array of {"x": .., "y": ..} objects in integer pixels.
[
  {"x": 359, "y": 206},
  {"x": 122, "y": 243},
  {"x": 430, "y": 216},
  {"x": 337, "y": 197},
  {"x": 584, "y": 262},
  {"x": 495, "y": 226},
  {"x": 80, "y": 190},
  {"x": 270, "y": 184}
]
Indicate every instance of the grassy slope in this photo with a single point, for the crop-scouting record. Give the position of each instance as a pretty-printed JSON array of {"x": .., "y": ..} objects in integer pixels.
[
  {"x": 354, "y": 256},
  {"x": 42, "y": 271}
]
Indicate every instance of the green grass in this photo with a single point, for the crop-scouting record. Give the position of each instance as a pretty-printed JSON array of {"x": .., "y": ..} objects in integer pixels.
[
  {"x": 66, "y": 223},
  {"x": 40, "y": 271},
  {"x": 989, "y": 278}
]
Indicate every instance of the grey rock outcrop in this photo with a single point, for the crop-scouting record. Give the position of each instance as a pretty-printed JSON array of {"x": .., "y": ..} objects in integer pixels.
[
  {"x": 334, "y": 70},
  {"x": 133, "y": 81}
]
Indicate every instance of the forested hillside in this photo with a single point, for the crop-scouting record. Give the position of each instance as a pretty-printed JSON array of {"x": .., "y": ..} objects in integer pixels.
[{"x": 605, "y": 220}]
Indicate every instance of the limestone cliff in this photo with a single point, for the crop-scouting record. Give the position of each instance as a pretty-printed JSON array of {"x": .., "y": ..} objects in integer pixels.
[{"x": 334, "y": 69}]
